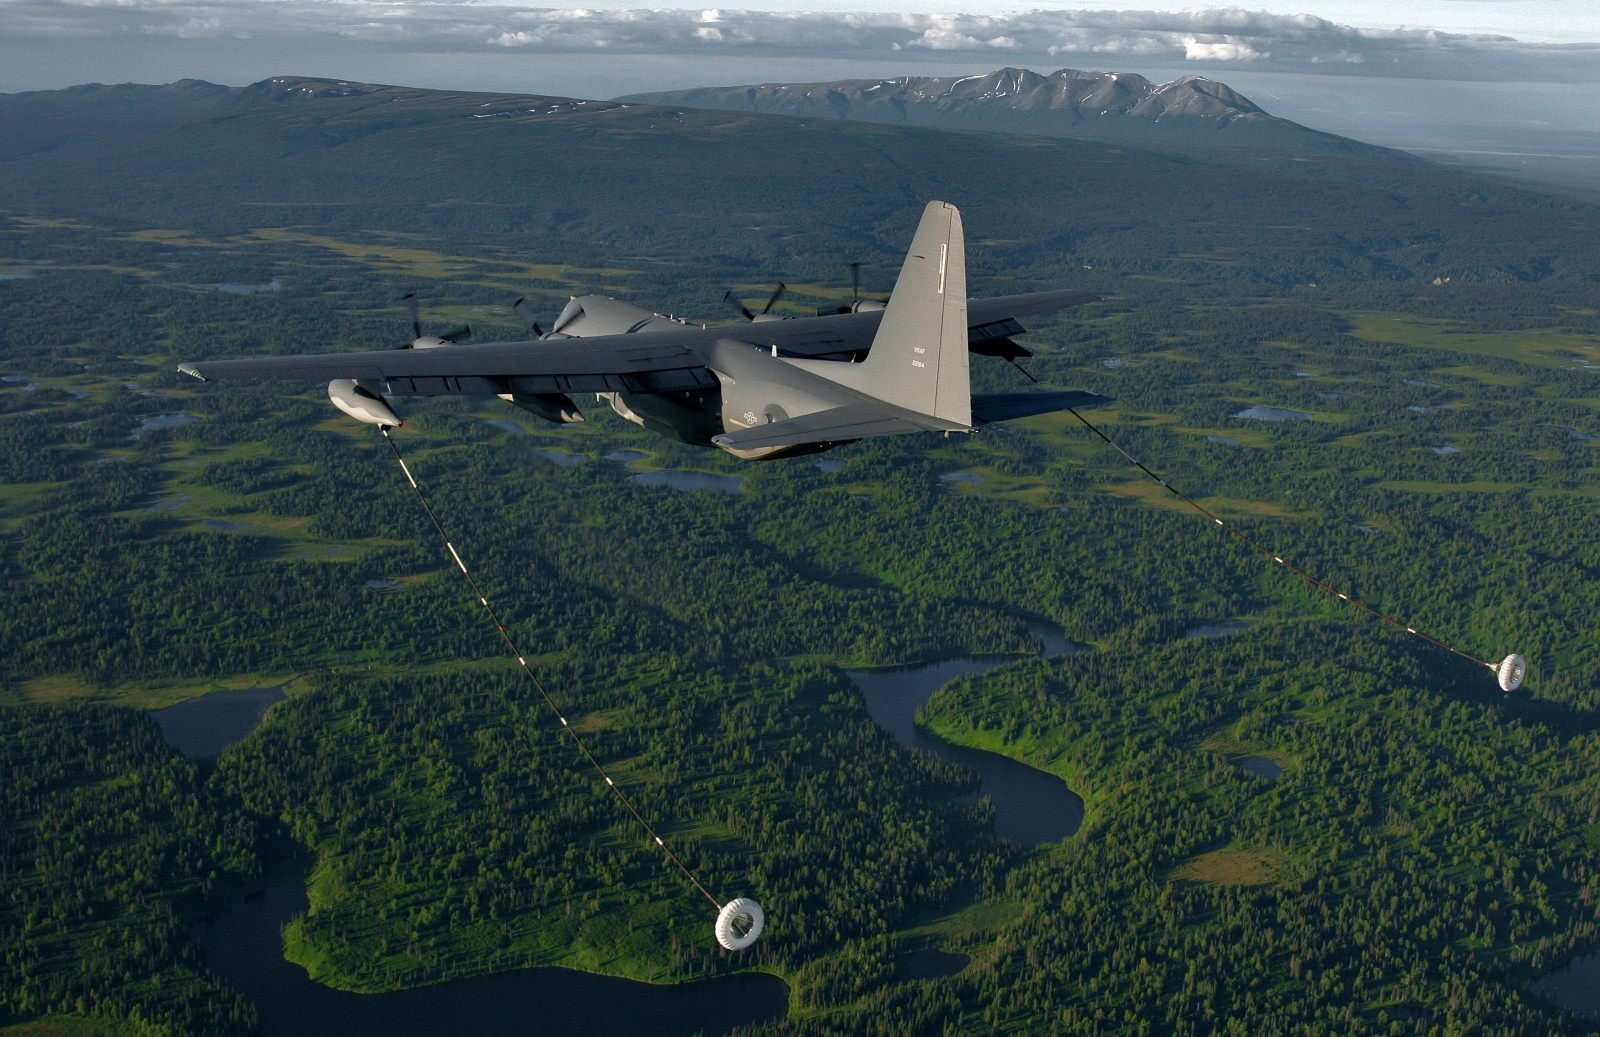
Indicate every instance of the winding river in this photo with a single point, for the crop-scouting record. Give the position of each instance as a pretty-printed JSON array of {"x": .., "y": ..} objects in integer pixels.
[
  {"x": 242, "y": 944},
  {"x": 1031, "y": 806}
]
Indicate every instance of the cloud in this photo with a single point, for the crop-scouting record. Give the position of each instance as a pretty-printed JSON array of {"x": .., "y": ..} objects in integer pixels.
[
  {"x": 1220, "y": 50},
  {"x": 1201, "y": 36}
]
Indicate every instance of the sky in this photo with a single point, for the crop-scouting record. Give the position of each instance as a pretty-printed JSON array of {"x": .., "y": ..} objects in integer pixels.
[{"x": 1507, "y": 77}]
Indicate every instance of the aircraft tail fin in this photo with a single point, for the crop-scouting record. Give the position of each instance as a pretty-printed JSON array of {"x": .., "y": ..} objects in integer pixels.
[
  {"x": 918, "y": 360},
  {"x": 919, "y": 356}
]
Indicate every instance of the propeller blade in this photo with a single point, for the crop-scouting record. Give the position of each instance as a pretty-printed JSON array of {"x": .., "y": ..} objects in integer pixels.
[
  {"x": 855, "y": 281},
  {"x": 736, "y": 304},
  {"x": 776, "y": 293},
  {"x": 410, "y": 299},
  {"x": 524, "y": 311}
]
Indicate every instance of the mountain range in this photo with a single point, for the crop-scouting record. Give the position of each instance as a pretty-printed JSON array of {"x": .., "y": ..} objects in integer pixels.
[{"x": 1191, "y": 116}]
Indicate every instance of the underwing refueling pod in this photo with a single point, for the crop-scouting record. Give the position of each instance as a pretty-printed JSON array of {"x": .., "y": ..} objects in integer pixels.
[{"x": 768, "y": 387}]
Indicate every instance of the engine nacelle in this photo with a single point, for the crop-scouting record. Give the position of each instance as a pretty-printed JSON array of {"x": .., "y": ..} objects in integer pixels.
[
  {"x": 589, "y": 315},
  {"x": 362, "y": 402}
]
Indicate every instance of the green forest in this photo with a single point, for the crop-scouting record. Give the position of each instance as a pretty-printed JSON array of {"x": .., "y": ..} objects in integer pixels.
[{"x": 1432, "y": 846}]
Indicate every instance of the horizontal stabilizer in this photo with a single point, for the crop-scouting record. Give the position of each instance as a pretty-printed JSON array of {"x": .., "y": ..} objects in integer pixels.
[
  {"x": 836, "y": 425},
  {"x": 990, "y": 407}
]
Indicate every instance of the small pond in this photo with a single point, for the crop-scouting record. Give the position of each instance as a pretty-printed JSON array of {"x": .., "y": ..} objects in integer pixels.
[
  {"x": 382, "y": 584},
  {"x": 242, "y": 945},
  {"x": 1274, "y": 414},
  {"x": 970, "y": 478},
  {"x": 689, "y": 481},
  {"x": 152, "y": 422},
  {"x": 16, "y": 379},
  {"x": 562, "y": 458},
  {"x": 250, "y": 289},
  {"x": 1574, "y": 986},
  {"x": 830, "y": 464},
  {"x": 1445, "y": 449},
  {"x": 170, "y": 504},
  {"x": 1031, "y": 806},
  {"x": 1222, "y": 440},
  {"x": 16, "y": 277},
  {"x": 1234, "y": 626},
  {"x": 225, "y": 525},
  {"x": 508, "y": 427},
  {"x": 933, "y": 964},
  {"x": 207, "y": 725},
  {"x": 1261, "y": 767},
  {"x": 626, "y": 456}
]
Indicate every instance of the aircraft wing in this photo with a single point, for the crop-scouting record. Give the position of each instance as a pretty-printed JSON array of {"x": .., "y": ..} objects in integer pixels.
[
  {"x": 989, "y": 407},
  {"x": 610, "y": 363},
  {"x": 987, "y": 311},
  {"x": 653, "y": 361}
]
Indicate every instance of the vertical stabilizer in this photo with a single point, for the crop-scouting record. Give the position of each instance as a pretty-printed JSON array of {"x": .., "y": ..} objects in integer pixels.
[{"x": 919, "y": 356}]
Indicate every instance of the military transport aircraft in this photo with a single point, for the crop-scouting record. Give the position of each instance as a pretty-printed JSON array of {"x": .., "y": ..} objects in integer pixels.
[{"x": 774, "y": 387}]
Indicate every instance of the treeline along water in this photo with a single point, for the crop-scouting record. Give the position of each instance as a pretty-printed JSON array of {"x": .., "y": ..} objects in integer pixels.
[{"x": 1429, "y": 846}]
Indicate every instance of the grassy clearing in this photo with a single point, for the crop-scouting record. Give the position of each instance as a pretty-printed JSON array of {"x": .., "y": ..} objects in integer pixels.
[
  {"x": 1426, "y": 486},
  {"x": 1233, "y": 866},
  {"x": 1538, "y": 347},
  {"x": 66, "y": 1026},
  {"x": 1149, "y": 493},
  {"x": 59, "y": 689},
  {"x": 428, "y": 263}
]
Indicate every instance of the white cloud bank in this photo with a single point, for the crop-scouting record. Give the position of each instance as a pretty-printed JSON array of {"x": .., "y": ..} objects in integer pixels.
[{"x": 1217, "y": 37}]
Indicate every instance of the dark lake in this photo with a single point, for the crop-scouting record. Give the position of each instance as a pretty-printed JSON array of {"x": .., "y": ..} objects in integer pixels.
[
  {"x": 1233, "y": 626},
  {"x": 1031, "y": 806},
  {"x": 933, "y": 964},
  {"x": 242, "y": 945},
  {"x": 1575, "y": 986},
  {"x": 207, "y": 725},
  {"x": 1262, "y": 767}
]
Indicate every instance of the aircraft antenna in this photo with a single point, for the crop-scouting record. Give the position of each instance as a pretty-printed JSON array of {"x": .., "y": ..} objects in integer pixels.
[
  {"x": 740, "y": 921},
  {"x": 1510, "y": 672}
]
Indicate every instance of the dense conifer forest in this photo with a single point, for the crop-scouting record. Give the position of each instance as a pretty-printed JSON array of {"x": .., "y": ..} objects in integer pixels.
[{"x": 1431, "y": 846}]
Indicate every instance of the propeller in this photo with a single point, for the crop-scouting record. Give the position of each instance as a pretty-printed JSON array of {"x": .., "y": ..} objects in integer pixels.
[
  {"x": 455, "y": 334},
  {"x": 524, "y": 311},
  {"x": 857, "y": 304},
  {"x": 777, "y": 293}
]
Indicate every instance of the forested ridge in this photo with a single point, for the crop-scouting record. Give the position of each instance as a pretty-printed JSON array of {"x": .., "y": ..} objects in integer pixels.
[{"x": 1431, "y": 847}]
